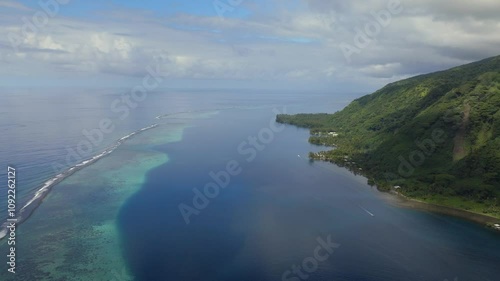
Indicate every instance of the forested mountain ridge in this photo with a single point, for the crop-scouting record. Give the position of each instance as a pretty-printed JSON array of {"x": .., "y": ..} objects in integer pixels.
[{"x": 437, "y": 136}]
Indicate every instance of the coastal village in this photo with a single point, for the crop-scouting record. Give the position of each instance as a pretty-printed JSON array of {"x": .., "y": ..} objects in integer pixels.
[{"x": 348, "y": 163}]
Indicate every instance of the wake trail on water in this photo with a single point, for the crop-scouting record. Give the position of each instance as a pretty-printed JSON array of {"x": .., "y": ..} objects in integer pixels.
[{"x": 25, "y": 212}]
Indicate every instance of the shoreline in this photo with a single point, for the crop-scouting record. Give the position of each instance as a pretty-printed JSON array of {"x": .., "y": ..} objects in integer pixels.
[
  {"x": 403, "y": 201},
  {"x": 400, "y": 200}
]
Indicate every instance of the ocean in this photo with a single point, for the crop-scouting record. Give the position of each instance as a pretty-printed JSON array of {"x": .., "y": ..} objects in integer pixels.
[{"x": 204, "y": 185}]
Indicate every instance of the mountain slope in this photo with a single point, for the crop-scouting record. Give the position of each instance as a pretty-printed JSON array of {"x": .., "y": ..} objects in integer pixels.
[{"x": 435, "y": 135}]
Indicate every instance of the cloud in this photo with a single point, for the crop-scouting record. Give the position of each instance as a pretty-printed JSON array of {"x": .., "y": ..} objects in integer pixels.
[
  {"x": 381, "y": 70},
  {"x": 453, "y": 10},
  {"x": 284, "y": 43},
  {"x": 321, "y": 6},
  {"x": 13, "y": 5}
]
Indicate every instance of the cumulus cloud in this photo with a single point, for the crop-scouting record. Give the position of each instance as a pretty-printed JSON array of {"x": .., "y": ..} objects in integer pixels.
[{"x": 299, "y": 42}]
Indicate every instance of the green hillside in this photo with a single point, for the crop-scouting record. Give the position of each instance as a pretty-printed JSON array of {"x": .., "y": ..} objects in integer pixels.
[{"x": 435, "y": 135}]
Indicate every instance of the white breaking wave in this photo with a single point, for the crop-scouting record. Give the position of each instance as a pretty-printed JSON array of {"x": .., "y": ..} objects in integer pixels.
[{"x": 41, "y": 192}]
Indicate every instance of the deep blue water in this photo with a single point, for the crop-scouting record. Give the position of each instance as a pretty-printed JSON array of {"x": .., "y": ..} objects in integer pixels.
[
  {"x": 42, "y": 126},
  {"x": 270, "y": 216}
]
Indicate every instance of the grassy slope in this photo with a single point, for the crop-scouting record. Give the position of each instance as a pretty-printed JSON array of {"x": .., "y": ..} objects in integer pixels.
[{"x": 382, "y": 130}]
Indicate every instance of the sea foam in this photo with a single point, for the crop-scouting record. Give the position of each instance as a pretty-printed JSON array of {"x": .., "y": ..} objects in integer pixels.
[{"x": 37, "y": 198}]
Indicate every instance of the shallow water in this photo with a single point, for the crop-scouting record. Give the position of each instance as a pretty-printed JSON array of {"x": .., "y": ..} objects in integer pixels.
[{"x": 119, "y": 218}]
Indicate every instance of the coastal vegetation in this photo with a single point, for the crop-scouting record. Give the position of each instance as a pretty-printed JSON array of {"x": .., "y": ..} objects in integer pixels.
[{"x": 433, "y": 137}]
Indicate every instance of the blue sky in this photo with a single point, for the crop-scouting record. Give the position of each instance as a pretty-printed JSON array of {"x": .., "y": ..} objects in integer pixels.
[
  {"x": 344, "y": 46},
  {"x": 82, "y": 7}
]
